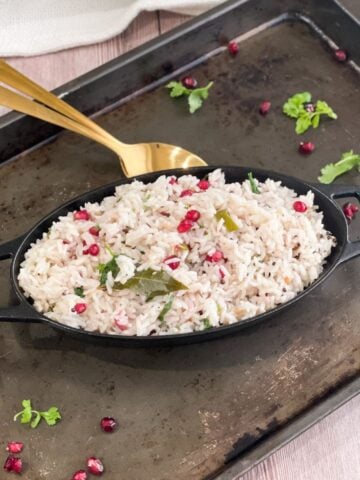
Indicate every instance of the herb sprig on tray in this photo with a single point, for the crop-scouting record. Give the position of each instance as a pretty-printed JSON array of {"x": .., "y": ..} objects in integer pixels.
[
  {"x": 34, "y": 417},
  {"x": 348, "y": 161},
  {"x": 307, "y": 114},
  {"x": 195, "y": 96}
]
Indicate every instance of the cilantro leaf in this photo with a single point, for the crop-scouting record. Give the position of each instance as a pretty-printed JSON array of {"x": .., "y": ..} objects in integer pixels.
[
  {"x": 294, "y": 108},
  {"x": 302, "y": 123},
  {"x": 28, "y": 415},
  {"x": 51, "y": 416},
  {"x": 253, "y": 184},
  {"x": 177, "y": 89},
  {"x": 195, "y": 96},
  {"x": 79, "y": 291},
  {"x": 348, "y": 161},
  {"x": 151, "y": 283},
  {"x": 322, "y": 108},
  {"x": 106, "y": 268},
  {"x": 166, "y": 308},
  {"x": 206, "y": 323}
]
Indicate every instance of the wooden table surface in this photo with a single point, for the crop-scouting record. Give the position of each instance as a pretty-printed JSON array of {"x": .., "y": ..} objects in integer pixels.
[{"x": 331, "y": 449}]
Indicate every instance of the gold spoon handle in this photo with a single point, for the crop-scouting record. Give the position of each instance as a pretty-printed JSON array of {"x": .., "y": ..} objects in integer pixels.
[
  {"x": 11, "y": 77},
  {"x": 17, "y": 102}
]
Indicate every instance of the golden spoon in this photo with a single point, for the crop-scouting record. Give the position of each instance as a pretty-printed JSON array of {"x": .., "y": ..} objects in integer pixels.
[{"x": 134, "y": 159}]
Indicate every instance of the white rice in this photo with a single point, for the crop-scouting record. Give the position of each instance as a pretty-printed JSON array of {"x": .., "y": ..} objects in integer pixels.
[{"x": 275, "y": 254}]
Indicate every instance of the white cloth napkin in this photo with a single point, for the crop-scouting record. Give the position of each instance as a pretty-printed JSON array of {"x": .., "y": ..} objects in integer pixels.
[{"x": 32, "y": 27}]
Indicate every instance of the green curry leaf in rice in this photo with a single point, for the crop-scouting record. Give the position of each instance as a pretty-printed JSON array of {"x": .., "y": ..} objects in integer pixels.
[
  {"x": 151, "y": 283},
  {"x": 229, "y": 223},
  {"x": 206, "y": 323},
  {"x": 166, "y": 309}
]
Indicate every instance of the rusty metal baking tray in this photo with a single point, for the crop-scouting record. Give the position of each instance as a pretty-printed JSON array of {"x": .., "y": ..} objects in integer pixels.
[{"x": 213, "y": 409}]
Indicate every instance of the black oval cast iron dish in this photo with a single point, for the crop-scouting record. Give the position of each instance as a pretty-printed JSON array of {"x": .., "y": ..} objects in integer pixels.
[{"x": 334, "y": 221}]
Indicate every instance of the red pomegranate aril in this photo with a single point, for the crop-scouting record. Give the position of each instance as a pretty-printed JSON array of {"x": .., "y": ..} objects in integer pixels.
[
  {"x": 79, "y": 308},
  {"x": 309, "y": 107},
  {"x": 189, "y": 82},
  {"x": 94, "y": 231},
  {"x": 299, "y": 206},
  {"x": 222, "y": 273},
  {"x": 173, "y": 180},
  {"x": 80, "y": 475},
  {"x": 186, "y": 193},
  {"x": 306, "y": 147},
  {"x": 13, "y": 464},
  {"x": 203, "y": 184},
  {"x": 121, "y": 326},
  {"x": 81, "y": 215},
  {"x": 94, "y": 250},
  {"x": 15, "y": 447},
  {"x": 233, "y": 48},
  {"x": 192, "y": 215},
  {"x": 349, "y": 214},
  {"x": 340, "y": 55},
  {"x": 108, "y": 424},
  {"x": 172, "y": 261},
  {"x": 352, "y": 207},
  {"x": 95, "y": 466},
  {"x": 217, "y": 256},
  {"x": 264, "y": 107},
  {"x": 184, "y": 226}
]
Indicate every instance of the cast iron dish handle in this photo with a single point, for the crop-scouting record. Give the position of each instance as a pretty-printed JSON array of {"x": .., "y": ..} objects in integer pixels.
[
  {"x": 22, "y": 310},
  {"x": 352, "y": 249}
]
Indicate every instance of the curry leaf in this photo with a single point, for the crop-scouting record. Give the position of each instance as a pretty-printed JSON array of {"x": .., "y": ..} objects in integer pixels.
[
  {"x": 106, "y": 268},
  {"x": 229, "y": 223},
  {"x": 166, "y": 308},
  {"x": 151, "y": 283}
]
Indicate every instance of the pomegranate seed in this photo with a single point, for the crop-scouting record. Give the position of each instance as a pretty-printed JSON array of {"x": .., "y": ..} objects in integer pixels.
[
  {"x": 189, "y": 82},
  {"x": 185, "y": 226},
  {"x": 186, "y": 193},
  {"x": 215, "y": 257},
  {"x": 348, "y": 212},
  {"x": 173, "y": 180},
  {"x": 222, "y": 273},
  {"x": 66, "y": 242},
  {"x": 121, "y": 326},
  {"x": 299, "y": 206},
  {"x": 203, "y": 184},
  {"x": 108, "y": 424},
  {"x": 173, "y": 262},
  {"x": 94, "y": 231},
  {"x": 233, "y": 48},
  {"x": 95, "y": 466},
  {"x": 264, "y": 107},
  {"x": 15, "y": 447},
  {"x": 80, "y": 475},
  {"x": 354, "y": 208},
  {"x": 81, "y": 215},
  {"x": 94, "y": 250},
  {"x": 13, "y": 464},
  {"x": 309, "y": 107},
  {"x": 192, "y": 215},
  {"x": 79, "y": 308},
  {"x": 306, "y": 148},
  {"x": 340, "y": 55}
]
